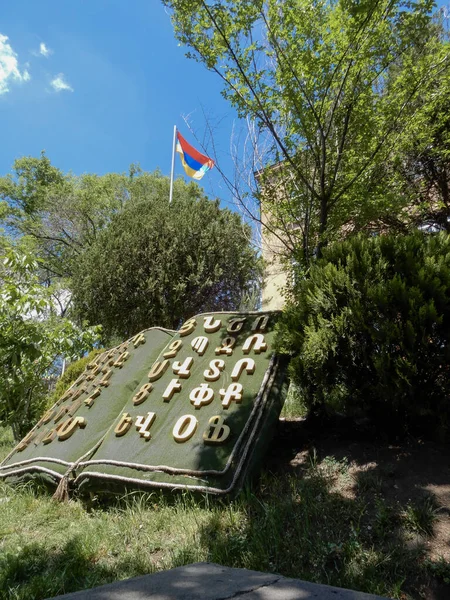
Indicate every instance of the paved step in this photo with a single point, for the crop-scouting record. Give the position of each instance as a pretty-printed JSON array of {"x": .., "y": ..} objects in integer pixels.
[{"x": 208, "y": 581}]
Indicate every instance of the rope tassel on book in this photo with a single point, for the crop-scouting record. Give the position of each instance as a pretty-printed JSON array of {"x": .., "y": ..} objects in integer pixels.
[{"x": 62, "y": 491}]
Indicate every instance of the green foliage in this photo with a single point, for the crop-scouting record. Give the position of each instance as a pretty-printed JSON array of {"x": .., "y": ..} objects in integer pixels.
[
  {"x": 293, "y": 407},
  {"x": 32, "y": 337},
  {"x": 307, "y": 526},
  {"x": 129, "y": 259},
  {"x": 420, "y": 516},
  {"x": 72, "y": 372},
  {"x": 369, "y": 330},
  {"x": 332, "y": 86},
  {"x": 157, "y": 264},
  {"x": 421, "y": 170},
  {"x": 439, "y": 568},
  {"x": 369, "y": 482},
  {"x": 61, "y": 213},
  {"x": 6, "y": 442}
]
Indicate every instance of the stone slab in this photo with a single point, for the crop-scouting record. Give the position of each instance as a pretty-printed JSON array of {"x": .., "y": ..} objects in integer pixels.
[{"x": 208, "y": 581}]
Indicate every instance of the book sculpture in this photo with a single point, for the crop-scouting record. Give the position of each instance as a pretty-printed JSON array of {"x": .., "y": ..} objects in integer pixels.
[{"x": 191, "y": 409}]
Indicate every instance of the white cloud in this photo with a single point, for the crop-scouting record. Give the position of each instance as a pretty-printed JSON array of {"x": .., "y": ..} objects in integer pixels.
[
  {"x": 59, "y": 85},
  {"x": 9, "y": 66},
  {"x": 44, "y": 50}
]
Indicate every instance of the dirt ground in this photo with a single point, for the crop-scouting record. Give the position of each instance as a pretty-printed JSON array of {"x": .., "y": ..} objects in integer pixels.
[{"x": 405, "y": 469}]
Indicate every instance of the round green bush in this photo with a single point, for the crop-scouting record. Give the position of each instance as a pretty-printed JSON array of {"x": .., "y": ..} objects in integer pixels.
[
  {"x": 72, "y": 372},
  {"x": 369, "y": 331}
]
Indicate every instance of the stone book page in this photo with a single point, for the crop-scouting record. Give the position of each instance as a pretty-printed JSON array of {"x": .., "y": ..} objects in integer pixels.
[{"x": 190, "y": 409}]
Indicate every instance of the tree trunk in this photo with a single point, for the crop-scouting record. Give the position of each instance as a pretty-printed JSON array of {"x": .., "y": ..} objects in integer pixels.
[{"x": 322, "y": 225}]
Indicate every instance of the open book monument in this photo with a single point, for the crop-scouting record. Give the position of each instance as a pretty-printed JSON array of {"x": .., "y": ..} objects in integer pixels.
[{"x": 191, "y": 409}]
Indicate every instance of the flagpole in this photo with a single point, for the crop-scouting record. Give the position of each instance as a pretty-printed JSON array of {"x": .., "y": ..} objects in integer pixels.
[{"x": 173, "y": 162}]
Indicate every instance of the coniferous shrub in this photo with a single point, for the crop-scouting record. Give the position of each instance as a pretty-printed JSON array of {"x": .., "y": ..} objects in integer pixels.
[{"x": 369, "y": 331}]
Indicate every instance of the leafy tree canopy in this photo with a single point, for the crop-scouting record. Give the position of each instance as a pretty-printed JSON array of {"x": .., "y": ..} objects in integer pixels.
[
  {"x": 32, "y": 337},
  {"x": 333, "y": 86},
  {"x": 420, "y": 170},
  {"x": 156, "y": 263},
  {"x": 114, "y": 246},
  {"x": 62, "y": 213}
]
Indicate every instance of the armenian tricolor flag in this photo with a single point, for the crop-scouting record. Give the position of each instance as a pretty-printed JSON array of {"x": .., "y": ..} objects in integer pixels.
[{"x": 194, "y": 162}]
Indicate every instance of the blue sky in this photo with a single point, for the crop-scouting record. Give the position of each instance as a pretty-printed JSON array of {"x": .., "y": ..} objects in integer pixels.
[{"x": 99, "y": 84}]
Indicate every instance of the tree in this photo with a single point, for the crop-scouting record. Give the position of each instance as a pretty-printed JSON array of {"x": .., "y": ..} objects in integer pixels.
[
  {"x": 332, "y": 85},
  {"x": 62, "y": 213},
  {"x": 32, "y": 338},
  {"x": 421, "y": 170},
  {"x": 369, "y": 331},
  {"x": 157, "y": 264}
]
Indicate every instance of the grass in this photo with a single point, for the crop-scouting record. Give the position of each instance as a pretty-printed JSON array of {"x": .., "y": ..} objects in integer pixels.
[
  {"x": 6, "y": 442},
  {"x": 440, "y": 569},
  {"x": 420, "y": 515},
  {"x": 293, "y": 407},
  {"x": 306, "y": 526},
  {"x": 370, "y": 482}
]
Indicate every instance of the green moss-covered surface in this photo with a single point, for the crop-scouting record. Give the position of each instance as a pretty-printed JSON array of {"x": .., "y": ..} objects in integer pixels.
[{"x": 128, "y": 437}]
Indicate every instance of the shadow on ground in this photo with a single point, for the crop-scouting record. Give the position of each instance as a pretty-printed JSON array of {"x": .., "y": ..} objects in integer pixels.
[
  {"x": 47, "y": 573},
  {"x": 330, "y": 507}
]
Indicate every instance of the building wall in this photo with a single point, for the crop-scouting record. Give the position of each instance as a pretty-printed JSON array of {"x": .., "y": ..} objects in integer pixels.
[{"x": 274, "y": 276}]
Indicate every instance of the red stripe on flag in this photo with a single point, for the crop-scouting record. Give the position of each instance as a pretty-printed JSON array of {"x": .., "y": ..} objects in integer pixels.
[{"x": 191, "y": 151}]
